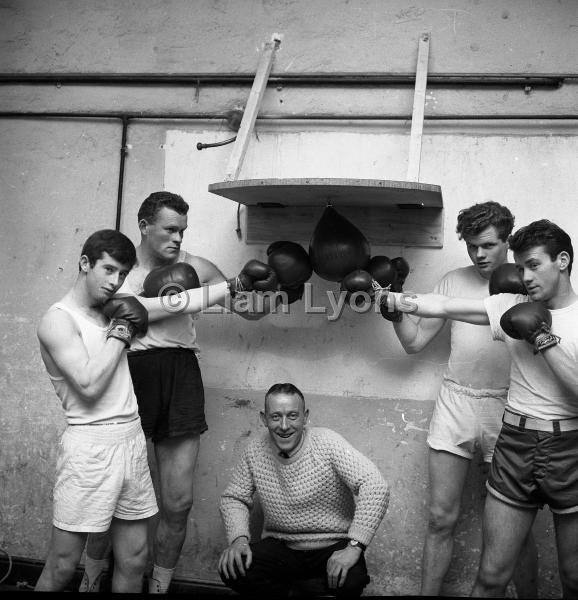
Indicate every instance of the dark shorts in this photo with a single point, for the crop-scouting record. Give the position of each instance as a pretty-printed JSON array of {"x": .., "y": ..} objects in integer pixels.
[
  {"x": 532, "y": 468},
  {"x": 169, "y": 390}
]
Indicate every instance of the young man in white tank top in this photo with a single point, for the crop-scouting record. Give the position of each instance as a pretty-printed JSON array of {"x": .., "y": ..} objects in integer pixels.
[{"x": 102, "y": 479}]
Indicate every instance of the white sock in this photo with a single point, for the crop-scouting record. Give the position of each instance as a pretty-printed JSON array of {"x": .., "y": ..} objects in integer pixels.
[
  {"x": 93, "y": 571},
  {"x": 160, "y": 580}
]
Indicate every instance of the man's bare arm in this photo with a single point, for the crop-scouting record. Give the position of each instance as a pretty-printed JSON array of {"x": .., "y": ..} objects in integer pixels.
[
  {"x": 61, "y": 341},
  {"x": 415, "y": 333},
  {"x": 210, "y": 274},
  {"x": 435, "y": 305}
]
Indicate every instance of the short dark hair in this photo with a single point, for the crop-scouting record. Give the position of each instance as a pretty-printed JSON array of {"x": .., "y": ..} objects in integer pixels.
[
  {"x": 284, "y": 388},
  {"x": 156, "y": 201},
  {"x": 543, "y": 233},
  {"x": 476, "y": 218},
  {"x": 114, "y": 243}
]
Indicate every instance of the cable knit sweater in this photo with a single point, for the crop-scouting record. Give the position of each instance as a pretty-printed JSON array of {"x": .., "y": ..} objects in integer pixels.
[{"x": 307, "y": 499}]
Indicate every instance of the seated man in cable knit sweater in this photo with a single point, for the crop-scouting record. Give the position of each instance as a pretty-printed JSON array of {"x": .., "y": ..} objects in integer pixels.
[{"x": 322, "y": 503}]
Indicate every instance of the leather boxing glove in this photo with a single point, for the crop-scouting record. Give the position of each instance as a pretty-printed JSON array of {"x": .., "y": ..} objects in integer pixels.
[
  {"x": 358, "y": 281},
  {"x": 401, "y": 267},
  {"x": 382, "y": 270},
  {"x": 255, "y": 276},
  {"x": 170, "y": 279},
  {"x": 506, "y": 279},
  {"x": 290, "y": 262},
  {"x": 530, "y": 321},
  {"x": 128, "y": 318}
]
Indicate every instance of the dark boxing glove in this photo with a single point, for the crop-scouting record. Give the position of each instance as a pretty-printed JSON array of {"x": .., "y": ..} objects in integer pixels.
[
  {"x": 506, "y": 279},
  {"x": 128, "y": 318},
  {"x": 530, "y": 321},
  {"x": 290, "y": 262},
  {"x": 358, "y": 281},
  {"x": 292, "y": 266},
  {"x": 401, "y": 268},
  {"x": 170, "y": 279},
  {"x": 255, "y": 276}
]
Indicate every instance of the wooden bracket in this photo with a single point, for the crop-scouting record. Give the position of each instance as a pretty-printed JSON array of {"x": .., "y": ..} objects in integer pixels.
[
  {"x": 252, "y": 107},
  {"x": 418, "y": 108}
]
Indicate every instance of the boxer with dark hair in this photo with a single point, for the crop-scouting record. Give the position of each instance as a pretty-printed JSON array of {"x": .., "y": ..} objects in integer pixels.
[
  {"x": 167, "y": 378},
  {"x": 103, "y": 479},
  {"x": 322, "y": 502},
  {"x": 468, "y": 411},
  {"x": 535, "y": 460}
]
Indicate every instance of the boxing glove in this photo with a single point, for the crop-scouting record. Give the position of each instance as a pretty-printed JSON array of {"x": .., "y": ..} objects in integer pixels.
[
  {"x": 401, "y": 268},
  {"x": 255, "y": 276},
  {"x": 290, "y": 262},
  {"x": 128, "y": 317},
  {"x": 506, "y": 279},
  {"x": 530, "y": 321},
  {"x": 358, "y": 281},
  {"x": 170, "y": 279}
]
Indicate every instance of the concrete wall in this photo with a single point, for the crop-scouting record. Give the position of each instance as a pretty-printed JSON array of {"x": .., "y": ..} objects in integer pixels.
[{"x": 59, "y": 179}]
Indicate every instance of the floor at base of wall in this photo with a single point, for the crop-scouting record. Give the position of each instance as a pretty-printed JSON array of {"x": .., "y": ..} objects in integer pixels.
[{"x": 24, "y": 572}]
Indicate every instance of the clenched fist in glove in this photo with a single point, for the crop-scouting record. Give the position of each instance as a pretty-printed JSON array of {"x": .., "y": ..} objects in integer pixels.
[
  {"x": 255, "y": 276},
  {"x": 401, "y": 268},
  {"x": 170, "y": 279},
  {"x": 530, "y": 321},
  {"x": 358, "y": 281},
  {"x": 128, "y": 318},
  {"x": 291, "y": 263},
  {"x": 505, "y": 279}
]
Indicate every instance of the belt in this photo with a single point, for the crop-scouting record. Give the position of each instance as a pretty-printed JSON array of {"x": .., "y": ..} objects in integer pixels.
[
  {"x": 531, "y": 423},
  {"x": 101, "y": 424}
]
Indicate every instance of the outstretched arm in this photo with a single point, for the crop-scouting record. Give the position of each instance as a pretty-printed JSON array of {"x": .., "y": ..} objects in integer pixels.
[
  {"x": 255, "y": 275},
  {"x": 210, "y": 274},
  {"x": 435, "y": 305}
]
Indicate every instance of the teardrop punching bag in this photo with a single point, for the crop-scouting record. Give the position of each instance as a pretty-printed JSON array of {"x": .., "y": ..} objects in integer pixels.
[{"x": 337, "y": 247}]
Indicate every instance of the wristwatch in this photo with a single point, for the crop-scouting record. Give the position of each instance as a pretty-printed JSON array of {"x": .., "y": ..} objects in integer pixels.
[{"x": 357, "y": 544}]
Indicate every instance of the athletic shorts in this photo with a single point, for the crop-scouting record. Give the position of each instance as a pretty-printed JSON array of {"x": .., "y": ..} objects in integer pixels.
[
  {"x": 465, "y": 420},
  {"x": 532, "y": 468},
  {"x": 102, "y": 472},
  {"x": 169, "y": 390}
]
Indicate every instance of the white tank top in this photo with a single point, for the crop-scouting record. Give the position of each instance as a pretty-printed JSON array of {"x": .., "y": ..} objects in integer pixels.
[
  {"x": 117, "y": 404},
  {"x": 176, "y": 331},
  {"x": 476, "y": 361}
]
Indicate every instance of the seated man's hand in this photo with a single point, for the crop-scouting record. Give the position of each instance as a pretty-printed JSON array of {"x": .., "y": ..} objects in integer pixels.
[
  {"x": 339, "y": 564},
  {"x": 231, "y": 561}
]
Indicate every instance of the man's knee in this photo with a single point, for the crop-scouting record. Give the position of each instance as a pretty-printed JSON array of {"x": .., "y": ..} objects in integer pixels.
[
  {"x": 175, "y": 513},
  {"x": 492, "y": 577},
  {"x": 442, "y": 518}
]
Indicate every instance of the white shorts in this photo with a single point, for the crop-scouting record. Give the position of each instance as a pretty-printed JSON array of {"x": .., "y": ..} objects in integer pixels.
[
  {"x": 102, "y": 472},
  {"x": 465, "y": 420}
]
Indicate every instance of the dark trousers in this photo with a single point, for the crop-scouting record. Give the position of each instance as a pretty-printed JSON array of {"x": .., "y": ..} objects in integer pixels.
[{"x": 276, "y": 568}]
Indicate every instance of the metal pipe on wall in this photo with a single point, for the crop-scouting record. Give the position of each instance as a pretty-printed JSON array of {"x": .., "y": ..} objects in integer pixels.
[{"x": 308, "y": 79}]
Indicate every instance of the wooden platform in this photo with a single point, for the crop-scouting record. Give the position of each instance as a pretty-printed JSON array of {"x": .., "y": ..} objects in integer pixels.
[{"x": 399, "y": 213}]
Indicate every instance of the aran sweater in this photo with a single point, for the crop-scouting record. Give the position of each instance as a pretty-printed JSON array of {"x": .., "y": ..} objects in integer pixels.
[{"x": 309, "y": 499}]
